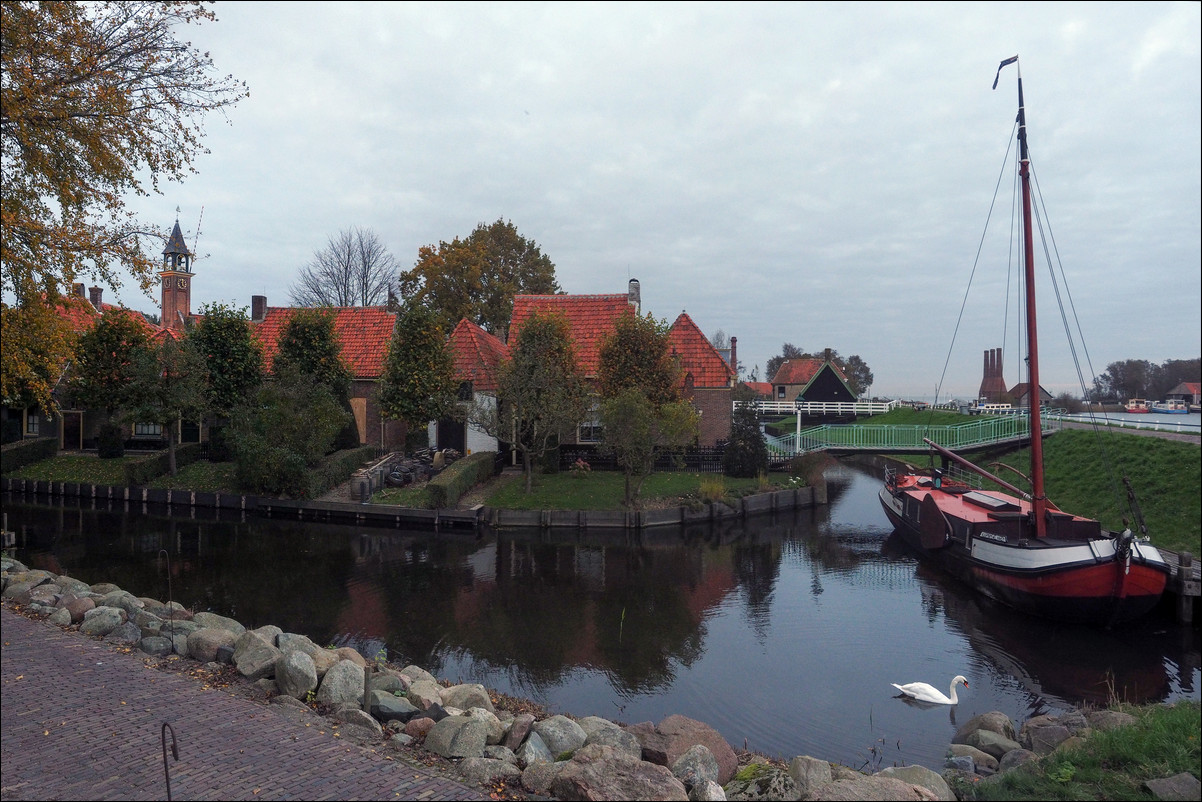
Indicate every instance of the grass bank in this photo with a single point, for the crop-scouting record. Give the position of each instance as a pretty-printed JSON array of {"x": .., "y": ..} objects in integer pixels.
[{"x": 1113, "y": 764}]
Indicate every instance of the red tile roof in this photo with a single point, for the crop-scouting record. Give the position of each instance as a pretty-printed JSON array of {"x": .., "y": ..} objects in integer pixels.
[
  {"x": 477, "y": 354},
  {"x": 698, "y": 355},
  {"x": 801, "y": 371},
  {"x": 591, "y": 318},
  {"x": 363, "y": 331},
  {"x": 761, "y": 388},
  {"x": 80, "y": 313}
]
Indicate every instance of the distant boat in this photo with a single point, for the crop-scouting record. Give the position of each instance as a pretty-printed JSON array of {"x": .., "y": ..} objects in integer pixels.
[
  {"x": 1137, "y": 405},
  {"x": 1014, "y": 546},
  {"x": 1171, "y": 407}
]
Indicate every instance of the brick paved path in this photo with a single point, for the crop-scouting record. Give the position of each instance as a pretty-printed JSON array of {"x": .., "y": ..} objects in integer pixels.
[{"x": 79, "y": 720}]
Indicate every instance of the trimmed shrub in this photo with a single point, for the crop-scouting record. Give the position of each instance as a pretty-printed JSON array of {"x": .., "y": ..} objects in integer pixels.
[
  {"x": 26, "y": 452},
  {"x": 143, "y": 471},
  {"x": 110, "y": 442},
  {"x": 220, "y": 449},
  {"x": 464, "y": 474},
  {"x": 336, "y": 469}
]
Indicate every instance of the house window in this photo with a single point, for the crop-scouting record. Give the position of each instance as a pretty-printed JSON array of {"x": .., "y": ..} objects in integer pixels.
[
  {"x": 32, "y": 422},
  {"x": 780, "y": 392},
  {"x": 148, "y": 430},
  {"x": 590, "y": 432},
  {"x": 465, "y": 391}
]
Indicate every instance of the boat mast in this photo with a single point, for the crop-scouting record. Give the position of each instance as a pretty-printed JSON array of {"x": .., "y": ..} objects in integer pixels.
[{"x": 1039, "y": 501}]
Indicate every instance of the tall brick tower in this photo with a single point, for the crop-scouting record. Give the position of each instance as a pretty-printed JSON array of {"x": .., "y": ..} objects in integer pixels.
[{"x": 176, "y": 278}]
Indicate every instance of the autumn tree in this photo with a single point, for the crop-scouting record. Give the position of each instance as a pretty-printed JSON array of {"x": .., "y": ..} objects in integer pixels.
[
  {"x": 540, "y": 392},
  {"x": 37, "y": 342},
  {"x": 418, "y": 382},
  {"x": 642, "y": 411},
  {"x": 355, "y": 268},
  {"x": 167, "y": 387},
  {"x": 107, "y": 357},
  {"x": 477, "y": 277},
  {"x": 98, "y": 101}
]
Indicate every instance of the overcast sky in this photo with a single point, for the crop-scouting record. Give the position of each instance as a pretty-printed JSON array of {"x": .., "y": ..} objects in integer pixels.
[{"x": 818, "y": 174}]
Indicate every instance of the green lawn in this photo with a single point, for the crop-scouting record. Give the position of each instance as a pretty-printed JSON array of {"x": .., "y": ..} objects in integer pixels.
[
  {"x": 81, "y": 468},
  {"x": 202, "y": 476},
  {"x": 1083, "y": 475}
]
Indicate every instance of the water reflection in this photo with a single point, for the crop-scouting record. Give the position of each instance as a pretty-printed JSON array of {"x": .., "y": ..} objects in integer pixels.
[{"x": 786, "y": 631}]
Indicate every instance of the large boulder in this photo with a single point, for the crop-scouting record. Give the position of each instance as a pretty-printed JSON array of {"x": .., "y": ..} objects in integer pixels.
[
  {"x": 295, "y": 674},
  {"x": 560, "y": 734},
  {"x": 358, "y": 718},
  {"x": 532, "y": 751},
  {"x": 342, "y": 683},
  {"x": 859, "y": 786},
  {"x": 387, "y": 707},
  {"x": 424, "y": 694},
  {"x": 600, "y": 772},
  {"x": 496, "y": 730},
  {"x": 467, "y": 696},
  {"x": 675, "y": 735},
  {"x": 991, "y": 743},
  {"x": 695, "y": 767},
  {"x": 922, "y": 776},
  {"x": 993, "y": 721},
  {"x": 102, "y": 620},
  {"x": 219, "y": 622},
  {"x": 204, "y": 643},
  {"x": 522, "y": 723},
  {"x": 809, "y": 773},
  {"x": 761, "y": 781},
  {"x": 323, "y": 659},
  {"x": 488, "y": 771},
  {"x": 457, "y": 736},
  {"x": 254, "y": 657}
]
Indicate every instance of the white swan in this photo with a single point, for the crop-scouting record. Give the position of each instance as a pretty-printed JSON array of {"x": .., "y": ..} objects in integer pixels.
[{"x": 925, "y": 693}]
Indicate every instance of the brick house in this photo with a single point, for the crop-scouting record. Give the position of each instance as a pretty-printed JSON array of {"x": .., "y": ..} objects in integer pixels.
[
  {"x": 811, "y": 379},
  {"x": 76, "y": 427},
  {"x": 477, "y": 355},
  {"x": 707, "y": 378},
  {"x": 1021, "y": 393},
  {"x": 364, "y": 333}
]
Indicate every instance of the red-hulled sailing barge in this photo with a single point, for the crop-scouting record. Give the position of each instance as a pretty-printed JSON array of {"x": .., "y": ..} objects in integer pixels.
[{"x": 1018, "y": 547}]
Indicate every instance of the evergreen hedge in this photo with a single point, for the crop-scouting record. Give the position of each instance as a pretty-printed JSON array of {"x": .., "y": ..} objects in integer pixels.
[
  {"x": 336, "y": 468},
  {"x": 142, "y": 471},
  {"x": 462, "y": 475},
  {"x": 26, "y": 452}
]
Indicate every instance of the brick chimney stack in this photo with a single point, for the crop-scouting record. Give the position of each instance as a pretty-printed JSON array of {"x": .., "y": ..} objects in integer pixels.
[
  {"x": 94, "y": 295},
  {"x": 258, "y": 308}
]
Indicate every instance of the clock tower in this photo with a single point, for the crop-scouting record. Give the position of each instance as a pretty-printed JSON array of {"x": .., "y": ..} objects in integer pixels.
[{"x": 176, "y": 280}]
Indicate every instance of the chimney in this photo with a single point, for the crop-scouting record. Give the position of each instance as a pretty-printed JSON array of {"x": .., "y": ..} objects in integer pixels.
[
  {"x": 633, "y": 295},
  {"x": 77, "y": 290},
  {"x": 734, "y": 356},
  {"x": 827, "y": 355},
  {"x": 258, "y": 308},
  {"x": 94, "y": 294},
  {"x": 393, "y": 304}
]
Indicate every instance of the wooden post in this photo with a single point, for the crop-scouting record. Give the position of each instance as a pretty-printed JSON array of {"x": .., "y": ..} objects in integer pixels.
[{"x": 1186, "y": 588}]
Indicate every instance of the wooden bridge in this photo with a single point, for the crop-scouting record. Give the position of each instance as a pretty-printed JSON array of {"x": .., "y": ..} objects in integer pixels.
[
  {"x": 839, "y": 408},
  {"x": 853, "y": 438}
]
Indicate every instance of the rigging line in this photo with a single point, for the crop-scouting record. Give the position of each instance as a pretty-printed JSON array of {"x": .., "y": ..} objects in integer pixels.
[
  {"x": 975, "y": 263},
  {"x": 1052, "y": 265}
]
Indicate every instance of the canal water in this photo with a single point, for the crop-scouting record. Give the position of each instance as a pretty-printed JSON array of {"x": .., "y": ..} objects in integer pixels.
[{"x": 784, "y": 633}]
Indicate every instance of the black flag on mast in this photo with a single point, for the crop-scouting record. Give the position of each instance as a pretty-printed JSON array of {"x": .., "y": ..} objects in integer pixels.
[{"x": 1010, "y": 60}]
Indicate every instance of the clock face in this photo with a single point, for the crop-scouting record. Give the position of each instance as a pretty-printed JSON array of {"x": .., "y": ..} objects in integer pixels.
[{"x": 182, "y": 283}]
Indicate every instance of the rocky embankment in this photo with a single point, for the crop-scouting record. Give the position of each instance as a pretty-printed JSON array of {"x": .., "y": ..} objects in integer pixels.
[{"x": 557, "y": 756}]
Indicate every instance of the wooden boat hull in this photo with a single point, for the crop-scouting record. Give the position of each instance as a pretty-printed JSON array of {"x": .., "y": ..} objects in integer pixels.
[{"x": 1075, "y": 581}]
